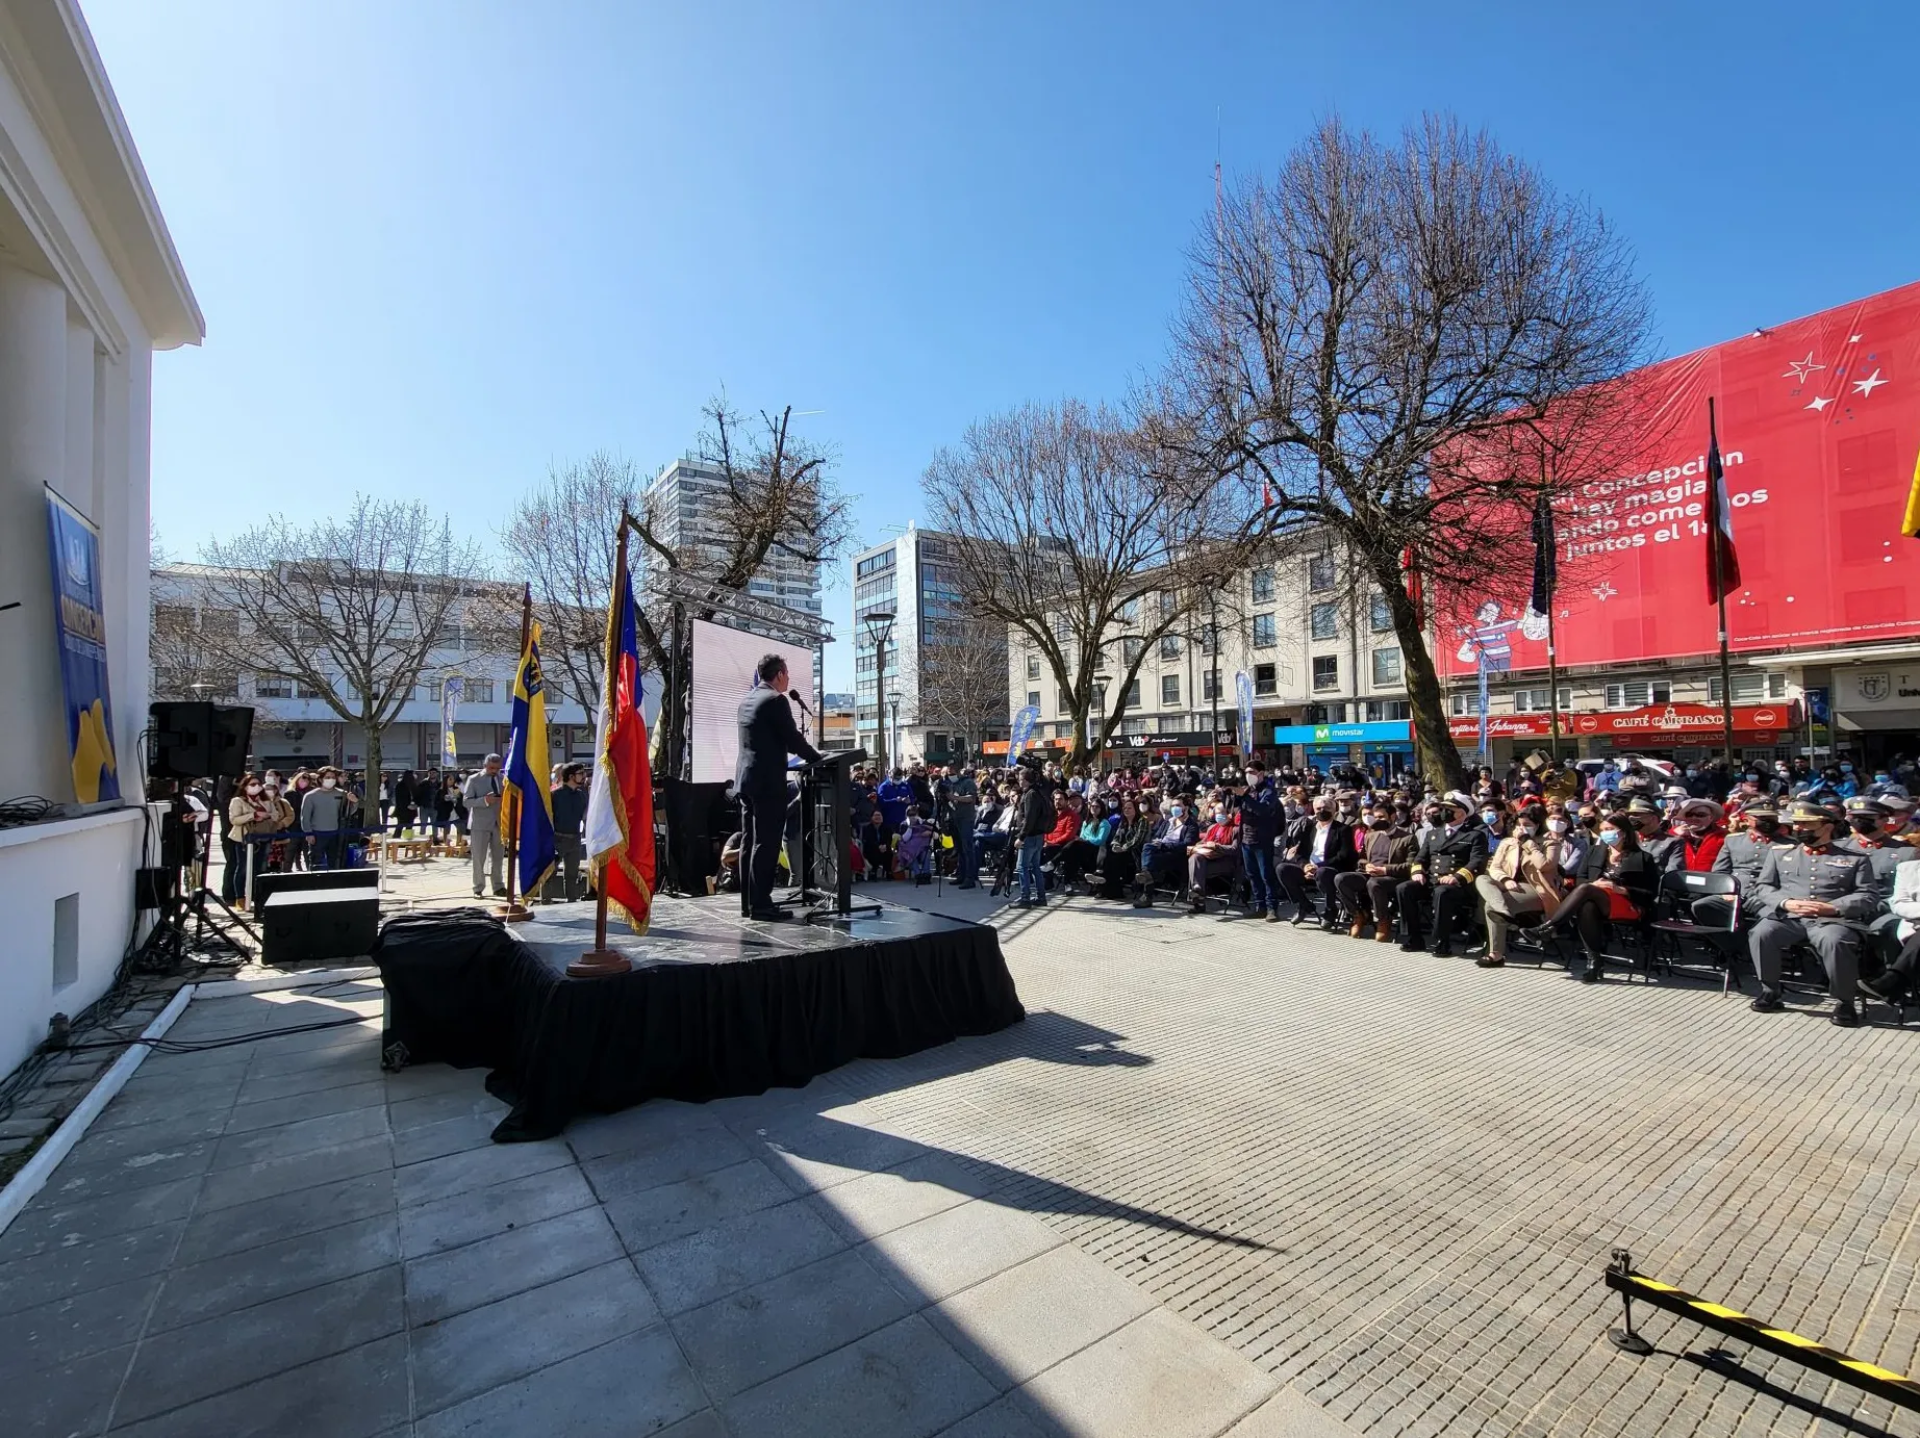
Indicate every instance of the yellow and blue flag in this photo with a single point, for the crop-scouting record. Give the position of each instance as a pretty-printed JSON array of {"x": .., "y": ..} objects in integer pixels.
[
  {"x": 1911, "y": 525},
  {"x": 527, "y": 761}
]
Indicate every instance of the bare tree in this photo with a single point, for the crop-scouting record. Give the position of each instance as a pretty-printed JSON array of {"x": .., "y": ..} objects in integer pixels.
[
  {"x": 186, "y": 644},
  {"x": 1071, "y": 531},
  {"x": 777, "y": 497},
  {"x": 1375, "y": 343},
  {"x": 963, "y": 678},
  {"x": 560, "y": 537},
  {"x": 350, "y": 609}
]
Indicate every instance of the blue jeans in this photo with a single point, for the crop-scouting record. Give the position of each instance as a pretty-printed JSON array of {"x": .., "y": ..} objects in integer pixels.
[
  {"x": 1033, "y": 883},
  {"x": 1261, "y": 885},
  {"x": 966, "y": 856}
]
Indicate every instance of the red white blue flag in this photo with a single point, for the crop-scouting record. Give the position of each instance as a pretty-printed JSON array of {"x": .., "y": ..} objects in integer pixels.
[{"x": 619, "y": 833}]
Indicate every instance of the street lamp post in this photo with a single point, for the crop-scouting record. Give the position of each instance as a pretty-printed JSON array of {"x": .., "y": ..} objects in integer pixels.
[
  {"x": 1213, "y": 680},
  {"x": 893, "y": 734},
  {"x": 880, "y": 629}
]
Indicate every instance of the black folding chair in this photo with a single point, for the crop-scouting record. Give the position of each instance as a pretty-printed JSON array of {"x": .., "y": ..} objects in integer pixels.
[{"x": 1674, "y": 923}]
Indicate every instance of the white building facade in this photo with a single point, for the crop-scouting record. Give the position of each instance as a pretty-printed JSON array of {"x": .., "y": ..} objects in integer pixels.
[{"x": 90, "y": 286}]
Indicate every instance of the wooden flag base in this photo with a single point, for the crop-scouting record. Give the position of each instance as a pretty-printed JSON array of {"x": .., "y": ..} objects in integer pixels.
[
  {"x": 513, "y": 912},
  {"x": 599, "y": 964}
]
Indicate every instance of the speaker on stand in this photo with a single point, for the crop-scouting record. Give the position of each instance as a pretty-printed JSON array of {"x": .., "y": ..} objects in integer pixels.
[{"x": 197, "y": 740}]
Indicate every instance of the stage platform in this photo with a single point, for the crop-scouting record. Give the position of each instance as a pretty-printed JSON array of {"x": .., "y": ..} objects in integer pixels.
[{"x": 716, "y": 1005}]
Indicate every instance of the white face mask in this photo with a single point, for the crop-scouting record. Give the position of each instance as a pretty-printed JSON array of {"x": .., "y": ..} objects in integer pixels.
[
  {"x": 253, "y": 788},
  {"x": 1559, "y": 826},
  {"x": 1525, "y": 831},
  {"x": 328, "y": 783}
]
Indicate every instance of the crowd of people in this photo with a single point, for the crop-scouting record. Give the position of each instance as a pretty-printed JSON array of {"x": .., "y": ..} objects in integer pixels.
[{"x": 1548, "y": 855}]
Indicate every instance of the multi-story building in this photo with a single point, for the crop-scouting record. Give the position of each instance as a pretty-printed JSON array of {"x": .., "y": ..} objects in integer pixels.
[
  {"x": 910, "y": 576},
  {"x": 295, "y": 726},
  {"x": 682, "y": 503}
]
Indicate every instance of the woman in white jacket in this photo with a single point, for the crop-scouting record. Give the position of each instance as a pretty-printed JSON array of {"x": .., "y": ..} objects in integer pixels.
[{"x": 1899, "y": 977}]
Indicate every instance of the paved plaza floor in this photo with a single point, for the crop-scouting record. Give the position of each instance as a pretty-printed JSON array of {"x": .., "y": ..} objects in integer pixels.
[{"x": 1226, "y": 1179}]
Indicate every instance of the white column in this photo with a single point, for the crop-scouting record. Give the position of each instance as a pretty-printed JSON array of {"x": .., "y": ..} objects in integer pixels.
[{"x": 34, "y": 363}]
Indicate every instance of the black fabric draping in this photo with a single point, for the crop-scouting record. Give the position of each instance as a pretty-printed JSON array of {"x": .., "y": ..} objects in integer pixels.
[{"x": 464, "y": 991}]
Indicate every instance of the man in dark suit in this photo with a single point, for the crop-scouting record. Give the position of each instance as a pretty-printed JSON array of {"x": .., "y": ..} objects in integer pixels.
[
  {"x": 1318, "y": 849},
  {"x": 1452, "y": 854},
  {"x": 768, "y": 734}
]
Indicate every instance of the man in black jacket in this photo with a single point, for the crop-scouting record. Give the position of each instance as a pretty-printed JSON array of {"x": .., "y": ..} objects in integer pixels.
[
  {"x": 768, "y": 735},
  {"x": 1033, "y": 817},
  {"x": 1453, "y": 853},
  {"x": 1318, "y": 849}
]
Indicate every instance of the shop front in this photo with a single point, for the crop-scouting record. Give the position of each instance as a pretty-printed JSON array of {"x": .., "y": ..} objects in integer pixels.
[
  {"x": 1878, "y": 711},
  {"x": 1383, "y": 749},
  {"x": 1676, "y": 732}
]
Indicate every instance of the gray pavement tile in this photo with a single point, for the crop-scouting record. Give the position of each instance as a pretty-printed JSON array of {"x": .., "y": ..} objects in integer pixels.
[
  {"x": 504, "y": 1341},
  {"x": 750, "y": 1336},
  {"x": 479, "y": 1213},
  {"x": 289, "y": 1265},
  {"x": 957, "y": 1248},
  {"x": 62, "y": 1272},
  {"x": 49, "y": 1335},
  {"x": 44, "y": 1225},
  {"x": 103, "y": 1146},
  {"x": 636, "y": 1384},
  {"x": 900, "y": 1382},
  {"x": 343, "y": 1069},
  {"x": 1026, "y": 1319},
  {"x": 877, "y": 1203},
  {"x": 736, "y": 1253},
  {"x": 644, "y": 1125},
  {"x": 1010, "y": 1417},
  {"x": 437, "y": 1140},
  {"x": 426, "y": 1079},
  {"x": 301, "y": 1137},
  {"x": 271, "y": 1178},
  {"x": 443, "y": 1284},
  {"x": 161, "y": 1101},
  {"x": 130, "y": 1166},
  {"x": 673, "y": 1158},
  {"x": 465, "y": 1102},
  {"x": 1291, "y": 1414},
  {"x": 215, "y": 1232},
  {"x": 321, "y": 1049},
  {"x": 360, "y": 1393},
  {"x": 1158, "y": 1377},
  {"x": 818, "y": 1151},
  {"x": 204, "y": 1066},
  {"x": 658, "y": 1215},
  {"x": 254, "y": 1112},
  {"x": 478, "y": 1168},
  {"x": 185, "y": 1365},
  {"x": 71, "y": 1401}
]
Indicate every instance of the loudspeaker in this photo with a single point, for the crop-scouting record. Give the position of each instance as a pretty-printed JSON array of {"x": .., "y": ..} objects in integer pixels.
[{"x": 193, "y": 740}]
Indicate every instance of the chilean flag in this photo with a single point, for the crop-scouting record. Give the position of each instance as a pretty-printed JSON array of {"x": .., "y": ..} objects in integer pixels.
[
  {"x": 619, "y": 836},
  {"x": 1723, "y": 565}
]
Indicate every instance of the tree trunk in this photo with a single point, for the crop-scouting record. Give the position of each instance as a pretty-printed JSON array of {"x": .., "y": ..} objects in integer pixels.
[{"x": 1436, "y": 752}]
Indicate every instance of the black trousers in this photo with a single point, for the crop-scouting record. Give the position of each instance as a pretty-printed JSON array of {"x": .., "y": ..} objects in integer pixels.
[
  {"x": 763, "y": 829},
  {"x": 1449, "y": 905},
  {"x": 1294, "y": 881}
]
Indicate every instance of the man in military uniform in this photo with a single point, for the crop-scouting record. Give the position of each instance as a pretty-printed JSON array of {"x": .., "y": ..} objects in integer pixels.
[
  {"x": 1746, "y": 849},
  {"x": 1452, "y": 854},
  {"x": 1663, "y": 849},
  {"x": 1817, "y": 893},
  {"x": 1868, "y": 818}
]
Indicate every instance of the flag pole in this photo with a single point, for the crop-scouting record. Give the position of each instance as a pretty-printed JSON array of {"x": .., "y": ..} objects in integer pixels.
[
  {"x": 1718, "y": 540},
  {"x": 514, "y": 911},
  {"x": 600, "y": 961}
]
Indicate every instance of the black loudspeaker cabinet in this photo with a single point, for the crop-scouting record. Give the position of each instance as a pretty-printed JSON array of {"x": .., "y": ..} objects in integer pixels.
[
  {"x": 299, "y": 926},
  {"x": 265, "y": 886},
  {"x": 194, "y": 740},
  {"x": 699, "y": 817}
]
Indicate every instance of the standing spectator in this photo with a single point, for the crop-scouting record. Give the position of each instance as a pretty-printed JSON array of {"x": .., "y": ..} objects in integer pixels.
[
  {"x": 963, "y": 812},
  {"x": 404, "y": 807},
  {"x": 894, "y": 795},
  {"x": 452, "y": 808},
  {"x": 1259, "y": 827},
  {"x": 483, "y": 793},
  {"x": 1033, "y": 817},
  {"x": 569, "y": 824},
  {"x": 426, "y": 802},
  {"x": 249, "y": 812},
  {"x": 323, "y": 815}
]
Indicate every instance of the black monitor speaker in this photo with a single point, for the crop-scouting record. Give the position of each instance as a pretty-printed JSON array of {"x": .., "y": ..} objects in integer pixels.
[{"x": 195, "y": 740}]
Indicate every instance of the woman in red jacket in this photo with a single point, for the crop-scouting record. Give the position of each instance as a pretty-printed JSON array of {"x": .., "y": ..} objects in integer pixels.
[{"x": 1702, "y": 829}]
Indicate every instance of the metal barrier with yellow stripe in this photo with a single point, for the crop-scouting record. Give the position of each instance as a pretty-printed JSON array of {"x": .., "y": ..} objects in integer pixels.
[{"x": 1881, "y": 1382}]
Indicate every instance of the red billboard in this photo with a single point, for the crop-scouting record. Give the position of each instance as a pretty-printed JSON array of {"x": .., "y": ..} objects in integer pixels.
[
  {"x": 1664, "y": 722},
  {"x": 1819, "y": 427}
]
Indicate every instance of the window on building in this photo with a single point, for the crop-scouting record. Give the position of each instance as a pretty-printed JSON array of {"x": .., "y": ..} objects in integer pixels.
[
  {"x": 1326, "y": 671},
  {"x": 1033, "y": 666},
  {"x": 309, "y": 633},
  {"x": 1264, "y": 634},
  {"x": 1380, "y": 711},
  {"x": 1261, "y": 587},
  {"x": 478, "y": 691},
  {"x": 1130, "y": 650},
  {"x": 1264, "y": 681},
  {"x": 1169, "y": 690},
  {"x": 224, "y": 622},
  {"x": 178, "y": 618},
  {"x": 1386, "y": 667},
  {"x": 305, "y": 690},
  {"x": 1379, "y": 615},
  {"x": 1170, "y": 646},
  {"x": 1209, "y": 639},
  {"x": 1539, "y": 701},
  {"x": 1169, "y": 602},
  {"x": 1133, "y": 695},
  {"x": 1100, "y": 660},
  {"x": 1639, "y": 694},
  {"x": 1063, "y": 703},
  {"x": 1099, "y": 704},
  {"x": 1751, "y": 687},
  {"x": 1465, "y": 705},
  {"x": 272, "y": 686},
  {"x": 1323, "y": 621},
  {"x": 1210, "y": 685},
  {"x": 1128, "y": 612},
  {"x": 432, "y": 688},
  {"x": 1134, "y": 726},
  {"x": 1320, "y": 573}
]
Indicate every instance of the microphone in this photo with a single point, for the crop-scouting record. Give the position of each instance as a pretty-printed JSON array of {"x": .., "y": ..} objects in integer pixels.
[{"x": 801, "y": 704}]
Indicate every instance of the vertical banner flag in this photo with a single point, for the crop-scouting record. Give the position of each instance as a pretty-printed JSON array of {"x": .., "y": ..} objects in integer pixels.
[
  {"x": 450, "y": 692},
  {"x": 1910, "y": 526},
  {"x": 1544, "y": 559},
  {"x": 620, "y": 845},
  {"x": 528, "y": 758},
  {"x": 1243, "y": 688},
  {"x": 1723, "y": 565},
  {"x": 80, "y": 628},
  {"x": 1484, "y": 705},
  {"x": 1022, "y": 731}
]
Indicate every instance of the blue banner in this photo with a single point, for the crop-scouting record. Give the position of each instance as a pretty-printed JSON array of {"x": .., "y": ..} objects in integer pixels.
[
  {"x": 450, "y": 692},
  {"x": 1484, "y": 705},
  {"x": 1022, "y": 732},
  {"x": 1243, "y": 687},
  {"x": 80, "y": 628}
]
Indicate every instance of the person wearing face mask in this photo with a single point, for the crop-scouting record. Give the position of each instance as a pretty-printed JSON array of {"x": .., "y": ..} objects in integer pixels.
[
  {"x": 1885, "y": 856},
  {"x": 1568, "y": 840},
  {"x": 1451, "y": 856},
  {"x": 1164, "y": 858},
  {"x": 1885, "y": 786},
  {"x": 1845, "y": 784},
  {"x": 1657, "y": 842},
  {"x": 1699, "y": 835},
  {"x": 1216, "y": 854},
  {"x": 249, "y": 814},
  {"x": 1366, "y": 892},
  {"x": 322, "y": 817},
  {"x": 1259, "y": 805},
  {"x": 1317, "y": 850},
  {"x": 1812, "y": 892},
  {"x": 1521, "y": 883},
  {"x": 1616, "y": 884},
  {"x": 1493, "y": 818},
  {"x": 1741, "y": 856}
]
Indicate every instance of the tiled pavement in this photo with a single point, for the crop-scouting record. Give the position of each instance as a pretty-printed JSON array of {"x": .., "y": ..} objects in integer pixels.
[{"x": 1225, "y": 1178}]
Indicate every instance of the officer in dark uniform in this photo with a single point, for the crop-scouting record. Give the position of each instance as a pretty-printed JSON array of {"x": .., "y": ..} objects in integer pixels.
[
  {"x": 1664, "y": 850},
  {"x": 1741, "y": 856},
  {"x": 1868, "y": 819},
  {"x": 1452, "y": 854},
  {"x": 1813, "y": 892}
]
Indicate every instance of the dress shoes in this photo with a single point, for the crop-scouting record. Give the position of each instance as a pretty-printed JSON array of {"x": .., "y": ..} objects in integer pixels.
[
  {"x": 1767, "y": 1001},
  {"x": 771, "y": 916},
  {"x": 1845, "y": 1016}
]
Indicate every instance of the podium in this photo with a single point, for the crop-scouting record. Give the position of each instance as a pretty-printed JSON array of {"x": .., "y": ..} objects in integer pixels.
[{"x": 824, "y": 877}]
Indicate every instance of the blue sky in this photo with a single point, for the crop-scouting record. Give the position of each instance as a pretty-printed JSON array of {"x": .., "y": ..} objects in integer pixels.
[{"x": 441, "y": 245}]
